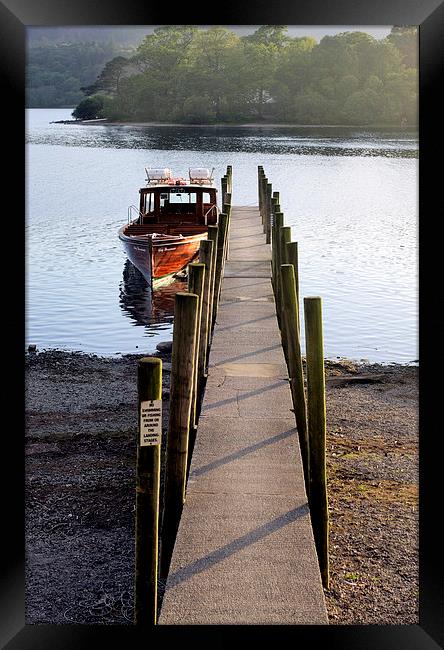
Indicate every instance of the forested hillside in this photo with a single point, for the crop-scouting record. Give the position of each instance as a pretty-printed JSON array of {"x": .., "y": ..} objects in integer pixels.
[
  {"x": 56, "y": 72},
  {"x": 195, "y": 75}
]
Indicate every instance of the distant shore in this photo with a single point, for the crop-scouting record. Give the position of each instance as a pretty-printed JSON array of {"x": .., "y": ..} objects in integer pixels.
[{"x": 274, "y": 125}]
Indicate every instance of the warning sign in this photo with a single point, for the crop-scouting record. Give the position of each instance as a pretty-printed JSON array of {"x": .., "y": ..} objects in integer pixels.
[{"x": 150, "y": 422}]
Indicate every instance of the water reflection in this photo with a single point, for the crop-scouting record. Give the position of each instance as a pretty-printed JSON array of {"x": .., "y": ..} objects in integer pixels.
[
  {"x": 332, "y": 141},
  {"x": 144, "y": 306}
]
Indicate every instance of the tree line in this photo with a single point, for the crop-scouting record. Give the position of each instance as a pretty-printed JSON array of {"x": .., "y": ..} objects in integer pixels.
[{"x": 189, "y": 74}]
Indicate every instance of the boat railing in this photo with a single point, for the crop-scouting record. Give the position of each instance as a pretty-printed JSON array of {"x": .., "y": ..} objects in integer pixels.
[
  {"x": 132, "y": 208},
  {"x": 213, "y": 207}
]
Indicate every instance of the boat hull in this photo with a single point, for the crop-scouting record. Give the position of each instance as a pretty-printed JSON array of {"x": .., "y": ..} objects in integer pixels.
[{"x": 161, "y": 259}]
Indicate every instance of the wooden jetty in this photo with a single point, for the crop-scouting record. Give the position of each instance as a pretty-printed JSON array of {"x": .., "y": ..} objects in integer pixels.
[{"x": 245, "y": 551}]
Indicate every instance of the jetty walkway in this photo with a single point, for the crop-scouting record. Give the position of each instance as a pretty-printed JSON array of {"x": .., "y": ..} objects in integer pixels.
[{"x": 245, "y": 552}]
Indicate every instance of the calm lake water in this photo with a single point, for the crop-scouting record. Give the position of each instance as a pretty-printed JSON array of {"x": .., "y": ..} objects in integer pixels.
[{"x": 350, "y": 196}]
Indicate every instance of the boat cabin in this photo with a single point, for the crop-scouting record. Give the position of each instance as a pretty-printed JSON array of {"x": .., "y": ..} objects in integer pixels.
[{"x": 176, "y": 200}]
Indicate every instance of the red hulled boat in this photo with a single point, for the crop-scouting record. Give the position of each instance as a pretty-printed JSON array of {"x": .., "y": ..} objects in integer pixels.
[{"x": 172, "y": 218}]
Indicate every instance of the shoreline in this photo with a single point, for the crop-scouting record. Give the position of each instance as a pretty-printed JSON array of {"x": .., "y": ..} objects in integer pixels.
[
  {"x": 80, "y": 446},
  {"x": 274, "y": 125},
  {"x": 118, "y": 356}
]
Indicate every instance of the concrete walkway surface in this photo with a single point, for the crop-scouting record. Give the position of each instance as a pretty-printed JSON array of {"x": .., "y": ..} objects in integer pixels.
[{"x": 245, "y": 552}]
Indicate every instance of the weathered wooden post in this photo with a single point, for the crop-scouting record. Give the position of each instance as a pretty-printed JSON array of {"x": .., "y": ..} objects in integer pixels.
[
  {"x": 272, "y": 213},
  {"x": 284, "y": 239},
  {"x": 213, "y": 234},
  {"x": 229, "y": 178},
  {"x": 206, "y": 257},
  {"x": 268, "y": 218},
  {"x": 181, "y": 390},
  {"x": 294, "y": 361},
  {"x": 278, "y": 223},
  {"x": 227, "y": 211},
  {"x": 260, "y": 175},
  {"x": 316, "y": 412},
  {"x": 292, "y": 258},
  {"x": 196, "y": 279},
  {"x": 223, "y": 187},
  {"x": 149, "y": 385},
  {"x": 273, "y": 229},
  {"x": 262, "y": 197},
  {"x": 223, "y": 219}
]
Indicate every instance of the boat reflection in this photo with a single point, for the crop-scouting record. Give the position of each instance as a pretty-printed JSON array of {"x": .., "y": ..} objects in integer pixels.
[{"x": 143, "y": 305}]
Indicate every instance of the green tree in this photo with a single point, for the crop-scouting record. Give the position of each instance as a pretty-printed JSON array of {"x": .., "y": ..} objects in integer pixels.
[
  {"x": 211, "y": 68},
  {"x": 109, "y": 79},
  {"x": 405, "y": 39},
  {"x": 89, "y": 108}
]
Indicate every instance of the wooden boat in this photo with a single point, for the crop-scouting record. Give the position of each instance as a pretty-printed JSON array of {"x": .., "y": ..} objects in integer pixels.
[{"x": 172, "y": 218}]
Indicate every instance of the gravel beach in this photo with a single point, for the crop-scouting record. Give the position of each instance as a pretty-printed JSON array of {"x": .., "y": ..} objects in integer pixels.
[{"x": 81, "y": 422}]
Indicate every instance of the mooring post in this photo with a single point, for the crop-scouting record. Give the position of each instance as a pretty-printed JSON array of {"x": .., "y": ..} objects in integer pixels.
[
  {"x": 283, "y": 236},
  {"x": 284, "y": 239},
  {"x": 181, "y": 389},
  {"x": 278, "y": 223},
  {"x": 268, "y": 218},
  {"x": 206, "y": 257},
  {"x": 230, "y": 178},
  {"x": 149, "y": 386},
  {"x": 263, "y": 194},
  {"x": 293, "y": 258},
  {"x": 316, "y": 412},
  {"x": 227, "y": 211},
  {"x": 260, "y": 175},
  {"x": 223, "y": 219},
  {"x": 273, "y": 229},
  {"x": 213, "y": 234},
  {"x": 223, "y": 187},
  {"x": 272, "y": 213},
  {"x": 196, "y": 280},
  {"x": 294, "y": 361}
]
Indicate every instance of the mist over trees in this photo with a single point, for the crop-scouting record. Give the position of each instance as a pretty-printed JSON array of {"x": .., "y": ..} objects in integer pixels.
[
  {"x": 56, "y": 72},
  {"x": 193, "y": 75}
]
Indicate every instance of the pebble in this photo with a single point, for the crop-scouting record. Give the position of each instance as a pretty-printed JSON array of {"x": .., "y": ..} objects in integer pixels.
[{"x": 164, "y": 346}]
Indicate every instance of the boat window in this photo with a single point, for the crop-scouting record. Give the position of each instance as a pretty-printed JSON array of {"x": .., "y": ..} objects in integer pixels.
[
  {"x": 183, "y": 197},
  {"x": 149, "y": 203}
]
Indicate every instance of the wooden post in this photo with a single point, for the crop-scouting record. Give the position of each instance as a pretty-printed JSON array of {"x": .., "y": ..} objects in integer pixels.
[
  {"x": 206, "y": 257},
  {"x": 292, "y": 258},
  {"x": 278, "y": 223},
  {"x": 223, "y": 219},
  {"x": 230, "y": 178},
  {"x": 283, "y": 237},
  {"x": 263, "y": 192},
  {"x": 260, "y": 175},
  {"x": 227, "y": 211},
  {"x": 223, "y": 189},
  {"x": 149, "y": 384},
  {"x": 196, "y": 279},
  {"x": 317, "y": 430},
  {"x": 181, "y": 390},
  {"x": 268, "y": 219},
  {"x": 213, "y": 233},
  {"x": 294, "y": 360},
  {"x": 272, "y": 213}
]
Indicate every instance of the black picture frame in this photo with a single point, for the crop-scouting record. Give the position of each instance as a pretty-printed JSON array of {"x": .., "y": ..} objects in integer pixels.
[{"x": 15, "y": 17}]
